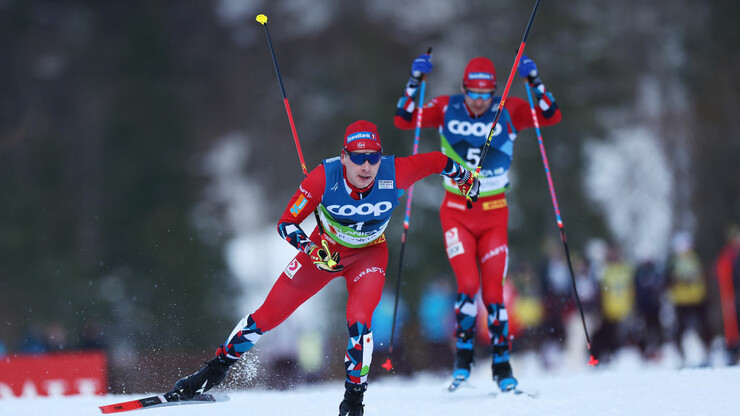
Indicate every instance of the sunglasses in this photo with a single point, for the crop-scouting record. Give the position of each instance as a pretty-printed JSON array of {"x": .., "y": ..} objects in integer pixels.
[
  {"x": 477, "y": 95},
  {"x": 360, "y": 158}
]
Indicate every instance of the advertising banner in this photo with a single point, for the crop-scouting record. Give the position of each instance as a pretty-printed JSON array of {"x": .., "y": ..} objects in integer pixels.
[{"x": 53, "y": 374}]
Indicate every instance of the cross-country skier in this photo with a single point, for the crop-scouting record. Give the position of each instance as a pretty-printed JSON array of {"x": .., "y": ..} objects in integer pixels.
[
  {"x": 355, "y": 194},
  {"x": 476, "y": 239}
]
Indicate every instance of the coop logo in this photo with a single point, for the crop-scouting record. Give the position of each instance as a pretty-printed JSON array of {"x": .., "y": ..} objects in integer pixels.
[
  {"x": 364, "y": 209},
  {"x": 466, "y": 128}
]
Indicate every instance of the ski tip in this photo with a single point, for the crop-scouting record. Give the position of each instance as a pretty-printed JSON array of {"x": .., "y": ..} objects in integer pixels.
[
  {"x": 456, "y": 383},
  {"x": 532, "y": 394},
  {"x": 214, "y": 397},
  {"x": 210, "y": 397}
]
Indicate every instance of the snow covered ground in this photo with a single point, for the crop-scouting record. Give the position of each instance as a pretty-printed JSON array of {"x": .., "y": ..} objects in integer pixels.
[{"x": 626, "y": 389}]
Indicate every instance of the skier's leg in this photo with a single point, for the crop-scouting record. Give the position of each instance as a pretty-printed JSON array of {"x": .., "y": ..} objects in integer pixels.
[
  {"x": 466, "y": 314},
  {"x": 461, "y": 245},
  {"x": 364, "y": 277},
  {"x": 493, "y": 251},
  {"x": 285, "y": 296}
]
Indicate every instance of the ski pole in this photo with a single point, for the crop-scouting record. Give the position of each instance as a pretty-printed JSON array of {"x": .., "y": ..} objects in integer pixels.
[
  {"x": 484, "y": 152},
  {"x": 592, "y": 361},
  {"x": 262, "y": 19},
  {"x": 387, "y": 365}
]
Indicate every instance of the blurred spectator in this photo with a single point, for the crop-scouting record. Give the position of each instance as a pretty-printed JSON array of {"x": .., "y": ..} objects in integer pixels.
[
  {"x": 588, "y": 293},
  {"x": 3, "y": 349},
  {"x": 92, "y": 336},
  {"x": 587, "y": 284},
  {"x": 383, "y": 321},
  {"x": 617, "y": 304},
  {"x": 687, "y": 290},
  {"x": 649, "y": 288},
  {"x": 382, "y": 325},
  {"x": 527, "y": 308},
  {"x": 34, "y": 342},
  {"x": 311, "y": 354},
  {"x": 437, "y": 321},
  {"x": 727, "y": 269},
  {"x": 56, "y": 336},
  {"x": 558, "y": 295}
]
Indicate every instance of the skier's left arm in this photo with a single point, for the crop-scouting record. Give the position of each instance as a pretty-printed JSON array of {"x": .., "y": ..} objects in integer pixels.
[
  {"x": 413, "y": 168},
  {"x": 546, "y": 108}
]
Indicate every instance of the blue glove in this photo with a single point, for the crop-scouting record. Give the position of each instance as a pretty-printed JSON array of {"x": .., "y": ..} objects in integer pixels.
[
  {"x": 421, "y": 65},
  {"x": 527, "y": 68}
]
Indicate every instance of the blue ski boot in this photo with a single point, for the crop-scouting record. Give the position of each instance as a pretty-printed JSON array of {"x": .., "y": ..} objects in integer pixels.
[
  {"x": 463, "y": 365},
  {"x": 502, "y": 373}
]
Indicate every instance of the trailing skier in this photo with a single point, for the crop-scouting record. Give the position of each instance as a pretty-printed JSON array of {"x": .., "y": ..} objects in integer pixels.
[{"x": 477, "y": 239}]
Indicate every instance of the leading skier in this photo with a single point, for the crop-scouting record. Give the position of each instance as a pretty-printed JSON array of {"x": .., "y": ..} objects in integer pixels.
[{"x": 355, "y": 194}]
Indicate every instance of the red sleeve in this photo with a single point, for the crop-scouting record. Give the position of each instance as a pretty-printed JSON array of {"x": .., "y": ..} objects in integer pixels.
[
  {"x": 521, "y": 114},
  {"x": 306, "y": 198},
  {"x": 433, "y": 115},
  {"x": 412, "y": 168}
]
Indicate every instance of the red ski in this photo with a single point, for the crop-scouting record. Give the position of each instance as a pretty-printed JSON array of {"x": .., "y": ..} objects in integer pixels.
[{"x": 162, "y": 400}]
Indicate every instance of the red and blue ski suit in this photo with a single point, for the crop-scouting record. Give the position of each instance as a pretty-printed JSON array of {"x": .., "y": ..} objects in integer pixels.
[
  {"x": 476, "y": 239},
  {"x": 353, "y": 222}
]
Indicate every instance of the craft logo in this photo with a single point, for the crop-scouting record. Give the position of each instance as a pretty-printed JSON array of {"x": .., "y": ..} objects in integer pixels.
[
  {"x": 305, "y": 192},
  {"x": 370, "y": 270},
  {"x": 455, "y": 205},
  {"x": 502, "y": 249},
  {"x": 292, "y": 268},
  {"x": 298, "y": 205}
]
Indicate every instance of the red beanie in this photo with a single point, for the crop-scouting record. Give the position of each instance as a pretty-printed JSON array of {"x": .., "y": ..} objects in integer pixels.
[
  {"x": 362, "y": 135},
  {"x": 480, "y": 73}
]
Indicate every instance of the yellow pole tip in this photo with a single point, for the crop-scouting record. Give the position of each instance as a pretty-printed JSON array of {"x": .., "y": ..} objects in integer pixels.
[{"x": 262, "y": 18}]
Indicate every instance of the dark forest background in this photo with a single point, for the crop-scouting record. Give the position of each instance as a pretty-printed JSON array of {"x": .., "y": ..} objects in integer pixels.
[{"x": 107, "y": 109}]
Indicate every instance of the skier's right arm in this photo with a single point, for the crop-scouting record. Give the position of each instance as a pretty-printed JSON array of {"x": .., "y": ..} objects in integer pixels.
[
  {"x": 301, "y": 205},
  {"x": 406, "y": 107}
]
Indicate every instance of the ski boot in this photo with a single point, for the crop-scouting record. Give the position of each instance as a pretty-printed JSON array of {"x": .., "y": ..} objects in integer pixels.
[
  {"x": 503, "y": 376},
  {"x": 463, "y": 365},
  {"x": 208, "y": 377},
  {"x": 352, "y": 403}
]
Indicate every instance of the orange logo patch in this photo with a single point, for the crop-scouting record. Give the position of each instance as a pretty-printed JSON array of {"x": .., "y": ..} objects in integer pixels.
[
  {"x": 298, "y": 205},
  {"x": 496, "y": 204}
]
